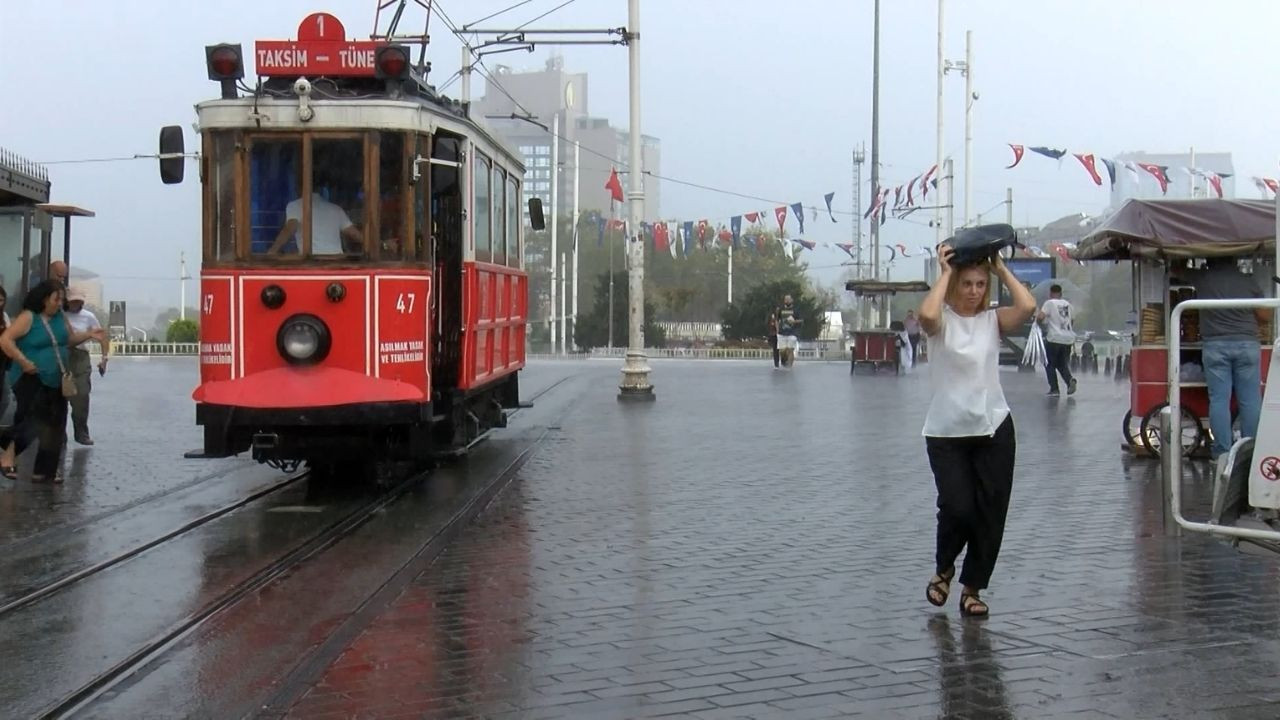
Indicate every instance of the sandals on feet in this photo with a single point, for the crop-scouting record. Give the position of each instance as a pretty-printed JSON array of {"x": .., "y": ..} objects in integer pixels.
[
  {"x": 972, "y": 606},
  {"x": 9, "y": 471},
  {"x": 939, "y": 588}
]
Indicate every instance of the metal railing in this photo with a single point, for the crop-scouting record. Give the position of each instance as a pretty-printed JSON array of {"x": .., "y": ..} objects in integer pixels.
[
  {"x": 141, "y": 348},
  {"x": 1171, "y": 447}
]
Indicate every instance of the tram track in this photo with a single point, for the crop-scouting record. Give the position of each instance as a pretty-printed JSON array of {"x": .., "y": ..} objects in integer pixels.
[
  {"x": 319, "y": 541},
  {"x": 44, "y": 535},
  {"x": 72, "y": 578}
]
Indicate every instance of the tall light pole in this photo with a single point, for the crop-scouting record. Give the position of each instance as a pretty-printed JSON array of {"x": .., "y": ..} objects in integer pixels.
[
  {"x": 635, "y": 369},
  {"x": 942, "y": 69},
  {"x": 573, "y": 334},
  {"x": 555, "y": 219},
  {"x": 875, "y": 156},
  {"x": 969, "y": 100},
  {"x": 183, "y": 277}
]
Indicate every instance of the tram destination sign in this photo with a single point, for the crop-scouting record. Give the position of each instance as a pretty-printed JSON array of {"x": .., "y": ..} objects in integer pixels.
[{"x": 321, "y": 49}]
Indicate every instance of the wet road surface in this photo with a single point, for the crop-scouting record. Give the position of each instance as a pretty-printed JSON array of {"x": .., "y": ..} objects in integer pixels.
[{"x": 754, "y": 544}]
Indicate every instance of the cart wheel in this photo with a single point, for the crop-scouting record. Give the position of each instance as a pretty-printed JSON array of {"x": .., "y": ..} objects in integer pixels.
[
  {"x": 1131, "y": 428},
  {"x": 1191, "y": 436}
]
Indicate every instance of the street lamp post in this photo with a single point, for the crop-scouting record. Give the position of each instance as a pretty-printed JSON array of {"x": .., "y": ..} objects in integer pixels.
[{"x": 635, "y": 369}]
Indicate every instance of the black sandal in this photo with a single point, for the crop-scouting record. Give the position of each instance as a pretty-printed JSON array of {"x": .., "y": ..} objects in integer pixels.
[
  {"x": 9, "y": 471},
  {"x": 941, "y": 586},
  {"x": 972, "y": 606}
]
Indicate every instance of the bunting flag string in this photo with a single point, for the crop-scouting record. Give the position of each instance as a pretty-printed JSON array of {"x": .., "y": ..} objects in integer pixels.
[{"x": 1160, "y": 173}]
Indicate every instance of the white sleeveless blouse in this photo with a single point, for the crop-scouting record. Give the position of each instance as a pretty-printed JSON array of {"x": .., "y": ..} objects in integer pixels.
[{"x": 964, "y": 366}]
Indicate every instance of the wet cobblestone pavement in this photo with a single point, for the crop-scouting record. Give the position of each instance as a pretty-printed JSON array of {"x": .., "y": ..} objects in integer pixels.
[{"x": 756, "y": 544}]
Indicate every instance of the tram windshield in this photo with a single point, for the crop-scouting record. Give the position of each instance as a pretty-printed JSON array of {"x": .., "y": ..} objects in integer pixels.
[{"x": 308, "y": 195}]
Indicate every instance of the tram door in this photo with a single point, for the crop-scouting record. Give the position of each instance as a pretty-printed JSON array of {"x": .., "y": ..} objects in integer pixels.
[{"x": 447, "y": 223}]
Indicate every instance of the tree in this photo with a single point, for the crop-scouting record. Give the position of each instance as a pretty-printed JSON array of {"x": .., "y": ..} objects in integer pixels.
[
  {"x": 593, "y": 326},
  {"x": 162, "y": 322},
  {"x": 182, "y": 331},
  {"x": 750, "y": 317}
]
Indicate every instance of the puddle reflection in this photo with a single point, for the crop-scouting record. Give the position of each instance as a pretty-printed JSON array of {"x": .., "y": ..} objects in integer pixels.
[{"x": 970, "y": 681}]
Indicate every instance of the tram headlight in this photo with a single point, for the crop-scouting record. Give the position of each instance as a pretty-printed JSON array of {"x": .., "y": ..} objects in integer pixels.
[{"x": 303, "y": 340}]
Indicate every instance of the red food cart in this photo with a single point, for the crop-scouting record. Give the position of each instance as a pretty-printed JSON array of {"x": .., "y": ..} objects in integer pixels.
[
  {"x": 1166, "y": 240},
  {"x": 879, "y": 347}
]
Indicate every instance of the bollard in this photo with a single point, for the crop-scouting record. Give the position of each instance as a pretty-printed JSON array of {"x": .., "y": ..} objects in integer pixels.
[
  {"x": 1107, "y": 366},
  {"x": 1169, "y": 449}
]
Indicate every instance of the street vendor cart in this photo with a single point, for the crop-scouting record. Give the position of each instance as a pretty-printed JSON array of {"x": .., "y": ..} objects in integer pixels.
[
  {"x": 880, "y": 347},
  {"x": 1166, "y": 241}
]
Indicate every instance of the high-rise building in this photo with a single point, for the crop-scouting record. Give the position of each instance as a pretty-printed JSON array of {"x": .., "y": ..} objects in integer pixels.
[{"x": 545, "y": 94}]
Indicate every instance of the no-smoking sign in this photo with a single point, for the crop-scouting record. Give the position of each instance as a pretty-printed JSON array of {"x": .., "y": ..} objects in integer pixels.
[{"x": 1270, "y": 468}]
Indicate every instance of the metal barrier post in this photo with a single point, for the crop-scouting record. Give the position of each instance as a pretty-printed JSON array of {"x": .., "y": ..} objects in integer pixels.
[
  {"x": 1170, "y": 447},
  {"x": 1173, "y": 455}
]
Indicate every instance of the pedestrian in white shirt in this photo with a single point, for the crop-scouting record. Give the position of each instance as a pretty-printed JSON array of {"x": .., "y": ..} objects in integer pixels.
[
  {"x": 969, "y": 433},
  {"x": 1059, "y": 340},
  {"x": 81, "y": 365}
]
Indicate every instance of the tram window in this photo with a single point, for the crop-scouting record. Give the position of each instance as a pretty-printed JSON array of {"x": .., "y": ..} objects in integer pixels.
[
  {"x": 481, "y": 211},
  {"x": 391, "y": 217},
  {"x": 222, "y": 197},
  {"x": 513, "y": 224},
  {"x": 337, "y": 196},
  {"x": 275, "y": 180},
  {"x": 499, "y": 217}
]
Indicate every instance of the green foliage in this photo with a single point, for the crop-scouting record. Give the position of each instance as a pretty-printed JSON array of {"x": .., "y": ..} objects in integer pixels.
[
  {"x": 593, "y": 326},
  {"x": 182, "y": 331},
  {"x": 749, "y": 318}
]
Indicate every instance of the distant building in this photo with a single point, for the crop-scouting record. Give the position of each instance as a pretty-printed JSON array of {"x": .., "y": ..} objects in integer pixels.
[
  {"x": 90, "y": 283},
  {"x": 550, "y": 92}
]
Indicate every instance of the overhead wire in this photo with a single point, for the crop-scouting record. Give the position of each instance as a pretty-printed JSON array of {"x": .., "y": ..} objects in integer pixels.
[{"x": 494, "y": 15}]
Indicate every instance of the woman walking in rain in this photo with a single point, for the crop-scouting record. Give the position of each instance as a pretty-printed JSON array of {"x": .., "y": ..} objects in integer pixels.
[
  {"x": 37, "y": 341},
  {"x": 968, "y": 431}
]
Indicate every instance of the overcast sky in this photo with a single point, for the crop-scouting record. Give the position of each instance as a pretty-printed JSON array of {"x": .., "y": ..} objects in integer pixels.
[{"x": 753, "y": 96}]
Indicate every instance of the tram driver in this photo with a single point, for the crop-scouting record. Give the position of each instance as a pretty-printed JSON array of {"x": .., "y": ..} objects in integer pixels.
[{"x": 332, "y": 232}]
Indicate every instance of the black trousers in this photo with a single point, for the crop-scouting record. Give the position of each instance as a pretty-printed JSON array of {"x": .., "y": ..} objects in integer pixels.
[
  {"x": 974, "y": 477},
  {"x": 41, "y": 414},
  {"x": 773, "y": 343},
  {"x": 1057, "y": 362}
]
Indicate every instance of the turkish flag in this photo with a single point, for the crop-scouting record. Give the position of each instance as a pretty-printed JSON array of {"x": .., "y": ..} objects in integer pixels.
[
  {"x": 781, "y": 214},
  {"x": 660, "y": 237},
  {"x": 614, "y": 186},
  {"x": 1017, "y": 155},
  {"x": 1086, "y": 159},
  {"x": 702, "y": 233},
  {"x": 1158, "y": 172},
  {"x": 1216, "y": 181}
]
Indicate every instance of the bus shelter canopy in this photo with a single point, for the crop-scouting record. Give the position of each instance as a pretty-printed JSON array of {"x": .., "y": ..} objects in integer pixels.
[{"x": 1181, "y": 229}]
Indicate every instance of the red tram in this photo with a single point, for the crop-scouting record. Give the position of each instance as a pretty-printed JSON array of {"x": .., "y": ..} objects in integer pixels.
[{"x": 362, "y": 290}]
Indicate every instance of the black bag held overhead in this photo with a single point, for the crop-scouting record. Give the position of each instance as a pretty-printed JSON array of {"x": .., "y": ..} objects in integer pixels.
[{"x": 975, "y": 244}]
